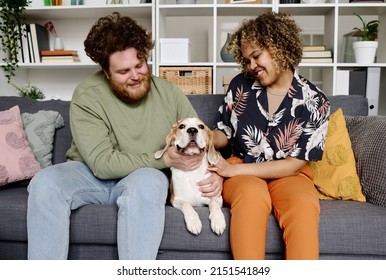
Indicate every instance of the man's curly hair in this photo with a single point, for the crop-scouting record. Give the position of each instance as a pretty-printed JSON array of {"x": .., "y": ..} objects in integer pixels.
[
  {"x": 276, "y": 32},
  {"x": 116, "y": 33}
]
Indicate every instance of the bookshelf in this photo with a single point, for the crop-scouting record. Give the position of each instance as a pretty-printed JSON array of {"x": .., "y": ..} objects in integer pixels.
[{"x": 206, "y": 24}]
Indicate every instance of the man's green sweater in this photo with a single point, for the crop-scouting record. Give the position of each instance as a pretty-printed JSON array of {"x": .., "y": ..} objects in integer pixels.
[{"x": 115, "y": 138}]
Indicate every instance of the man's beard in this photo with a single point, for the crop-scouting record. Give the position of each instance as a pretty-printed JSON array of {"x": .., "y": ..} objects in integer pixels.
[{"x": 130, "y": 96}]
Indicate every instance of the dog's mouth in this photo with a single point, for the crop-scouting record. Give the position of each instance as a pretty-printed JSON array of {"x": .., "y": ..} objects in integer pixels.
[{"x": 191, "y": 148}]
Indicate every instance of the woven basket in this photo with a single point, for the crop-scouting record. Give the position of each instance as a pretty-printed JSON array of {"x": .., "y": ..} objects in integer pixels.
[{"x": 191, "y": 80}]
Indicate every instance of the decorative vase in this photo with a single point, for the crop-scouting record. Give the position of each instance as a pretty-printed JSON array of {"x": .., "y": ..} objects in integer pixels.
[
  {"x": 224, "y": 56},
  {"x": 365, "y": 51},
  {"x": 58, "y": 44}
]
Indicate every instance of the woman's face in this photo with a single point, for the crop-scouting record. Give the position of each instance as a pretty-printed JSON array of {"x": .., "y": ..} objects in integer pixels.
[{"x": 259, "y": 64}]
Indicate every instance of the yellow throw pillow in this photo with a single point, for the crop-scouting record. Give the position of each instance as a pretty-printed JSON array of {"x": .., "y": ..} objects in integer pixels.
[{"x": 335, "y": 175}]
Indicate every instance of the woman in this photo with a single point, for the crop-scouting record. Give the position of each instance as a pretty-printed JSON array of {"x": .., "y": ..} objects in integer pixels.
[{"x": 276, "y": 121}]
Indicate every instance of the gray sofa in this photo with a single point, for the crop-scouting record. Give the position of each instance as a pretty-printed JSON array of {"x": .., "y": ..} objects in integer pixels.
[{"x": 348, "y": 229}]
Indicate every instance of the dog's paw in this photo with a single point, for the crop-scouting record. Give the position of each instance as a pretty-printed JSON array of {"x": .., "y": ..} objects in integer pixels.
[
  {"x": 217, "y": 222},
  {"x": 193, "y": 223}
]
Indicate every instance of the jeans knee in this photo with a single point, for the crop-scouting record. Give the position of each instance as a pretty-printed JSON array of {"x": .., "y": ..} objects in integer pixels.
[
  {"x": 42, "y": 184},
  {"x": 148, "y": 184}
]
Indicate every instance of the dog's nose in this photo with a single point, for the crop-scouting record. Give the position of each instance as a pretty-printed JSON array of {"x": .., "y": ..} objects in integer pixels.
[{"x": 192, "y": 130}]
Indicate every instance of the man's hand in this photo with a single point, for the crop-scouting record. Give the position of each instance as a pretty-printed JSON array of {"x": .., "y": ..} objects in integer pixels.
[{"x": 181, "y": 161}]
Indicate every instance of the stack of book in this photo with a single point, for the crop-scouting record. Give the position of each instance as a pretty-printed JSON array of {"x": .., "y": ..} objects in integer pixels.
[
  {"x": 316, "y": 54},
  {"x": 34, "y": 39},
  {"x": 60, "y": 56}
]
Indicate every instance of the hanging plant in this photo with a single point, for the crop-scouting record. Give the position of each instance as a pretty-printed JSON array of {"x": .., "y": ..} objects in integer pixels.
[{"x": 11, "y": 22}]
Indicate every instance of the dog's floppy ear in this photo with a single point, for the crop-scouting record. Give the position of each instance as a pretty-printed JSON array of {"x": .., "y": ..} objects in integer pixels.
[
  {"x": 213, "y": 156},
  {"x": 170, "y": 138}
]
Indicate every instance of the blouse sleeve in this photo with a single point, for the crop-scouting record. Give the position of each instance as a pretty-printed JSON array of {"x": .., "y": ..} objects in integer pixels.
[
  {"x": 315, "y": 116},
  {"x": 224, "y": 113}
]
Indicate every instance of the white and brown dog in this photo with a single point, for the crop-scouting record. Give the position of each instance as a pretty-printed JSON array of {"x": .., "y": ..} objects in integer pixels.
[{"x": 192, "y": 136}]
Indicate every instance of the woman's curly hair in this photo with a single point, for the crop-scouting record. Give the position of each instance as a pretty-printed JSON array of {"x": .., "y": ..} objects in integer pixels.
[
  {"x": 116, "y": 33},
  {"x": 276, "y": 32}
]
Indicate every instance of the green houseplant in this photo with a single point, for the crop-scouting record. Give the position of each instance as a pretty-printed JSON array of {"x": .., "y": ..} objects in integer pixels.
[
  {"x": 29, "y": 91},
  {"x": 369, "y": 30},
  {"x": 365, "y": 49},
  {"x": 11, "y": 22}
]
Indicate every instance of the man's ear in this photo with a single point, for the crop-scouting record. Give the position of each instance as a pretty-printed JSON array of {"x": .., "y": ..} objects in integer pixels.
[{"x": 107, "y": 74}]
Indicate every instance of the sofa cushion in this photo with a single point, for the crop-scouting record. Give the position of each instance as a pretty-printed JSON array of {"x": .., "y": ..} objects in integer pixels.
[
  {"x": 63, "y": 136},
  {"x": 40, "y": 129},
  {"x": 17, "y": 161},
  {"x": 335, "y": 176},
  {"x": 368, "y": 137}
]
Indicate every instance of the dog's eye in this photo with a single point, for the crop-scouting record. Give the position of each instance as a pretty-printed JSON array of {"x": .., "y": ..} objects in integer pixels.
[
  {"x": 181, "y": 126},
  {"x": 201, "y": 126}
]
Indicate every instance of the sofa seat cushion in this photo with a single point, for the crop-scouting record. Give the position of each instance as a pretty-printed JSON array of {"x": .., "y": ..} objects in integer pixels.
[
  {"x": 352, "y": 227},
  {"x": 346, "y": 227},
  {"x": 13, "y": 211}
]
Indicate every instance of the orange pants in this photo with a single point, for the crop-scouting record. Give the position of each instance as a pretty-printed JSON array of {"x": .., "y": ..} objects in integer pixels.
[{"x": 295, "y": 204}]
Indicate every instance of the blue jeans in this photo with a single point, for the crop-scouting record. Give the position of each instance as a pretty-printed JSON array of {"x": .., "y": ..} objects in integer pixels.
[{"x": 58, "y": 189}]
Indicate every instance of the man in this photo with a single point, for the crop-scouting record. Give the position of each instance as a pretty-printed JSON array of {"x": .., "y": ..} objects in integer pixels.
[{"x": 119, "y": 117}]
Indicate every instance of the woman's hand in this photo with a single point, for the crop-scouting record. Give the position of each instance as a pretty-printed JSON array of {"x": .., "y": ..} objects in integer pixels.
[
  {"x": 211, "y": 186},
  {"x": 223, "y": 168}
]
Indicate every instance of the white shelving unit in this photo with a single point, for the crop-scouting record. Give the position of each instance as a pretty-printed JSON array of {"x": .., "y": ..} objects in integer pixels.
[{"x": 206, "y": 24}]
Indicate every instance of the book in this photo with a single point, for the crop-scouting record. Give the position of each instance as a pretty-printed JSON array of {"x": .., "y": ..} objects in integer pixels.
[
  {"x": 58, "y": 52},
  {"x": 60, "y": 59},
  {"x": 326, "y": 53},
  {"x": 24, "y": 44},
  {"x": 316, "y": 60},
  {"x": 314, "y": 48},
  {"x": 40, "y": 40},
  {"x": 30, "y": 47}
]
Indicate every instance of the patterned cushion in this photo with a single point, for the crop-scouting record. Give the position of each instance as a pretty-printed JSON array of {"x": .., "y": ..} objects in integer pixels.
[
  {"x": 17, "y": 161},
  {"x": 40, "y": 129},
  {"x": 368, "y": 138},
  {"x": 335, "y": 176}
]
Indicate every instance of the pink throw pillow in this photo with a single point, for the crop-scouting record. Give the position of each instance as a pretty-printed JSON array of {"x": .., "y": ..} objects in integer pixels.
[{"x": 17, "y": 161}]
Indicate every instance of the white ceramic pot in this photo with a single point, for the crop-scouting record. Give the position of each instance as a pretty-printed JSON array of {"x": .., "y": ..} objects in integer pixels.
[{"x": 365, "y": 51}]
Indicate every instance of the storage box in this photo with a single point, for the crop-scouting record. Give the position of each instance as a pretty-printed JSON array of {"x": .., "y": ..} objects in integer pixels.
[
  {"x": 175, "y": 50},
  {"x": 191, "y": 80}
]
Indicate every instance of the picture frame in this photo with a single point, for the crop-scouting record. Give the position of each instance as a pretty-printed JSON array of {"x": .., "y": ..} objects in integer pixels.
[{"x": 243, "y": 1}]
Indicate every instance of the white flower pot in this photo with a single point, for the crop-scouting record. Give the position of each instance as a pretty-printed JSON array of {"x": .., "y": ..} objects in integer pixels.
[{"x": 365, "y": 51}]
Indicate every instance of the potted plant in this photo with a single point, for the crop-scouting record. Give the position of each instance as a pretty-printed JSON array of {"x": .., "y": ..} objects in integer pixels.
[
  {"x": 11, "y": 22},
  {"x": 29, "y": 91},
  {"x": 366, "y": 48}
]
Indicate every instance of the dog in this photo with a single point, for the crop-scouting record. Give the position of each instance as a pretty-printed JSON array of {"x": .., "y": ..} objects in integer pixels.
[{"x": 192, "y": 136}]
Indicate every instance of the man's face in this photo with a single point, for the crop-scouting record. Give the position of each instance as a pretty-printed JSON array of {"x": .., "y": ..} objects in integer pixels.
[{"x": 129, "y": 76}]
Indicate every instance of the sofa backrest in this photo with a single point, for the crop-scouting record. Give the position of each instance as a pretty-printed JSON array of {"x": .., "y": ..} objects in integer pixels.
[{"x": 205, "y": 105}]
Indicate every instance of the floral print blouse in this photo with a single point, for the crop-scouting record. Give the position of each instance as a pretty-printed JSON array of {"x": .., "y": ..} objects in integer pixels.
[{"x": 298, "y": 128}]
